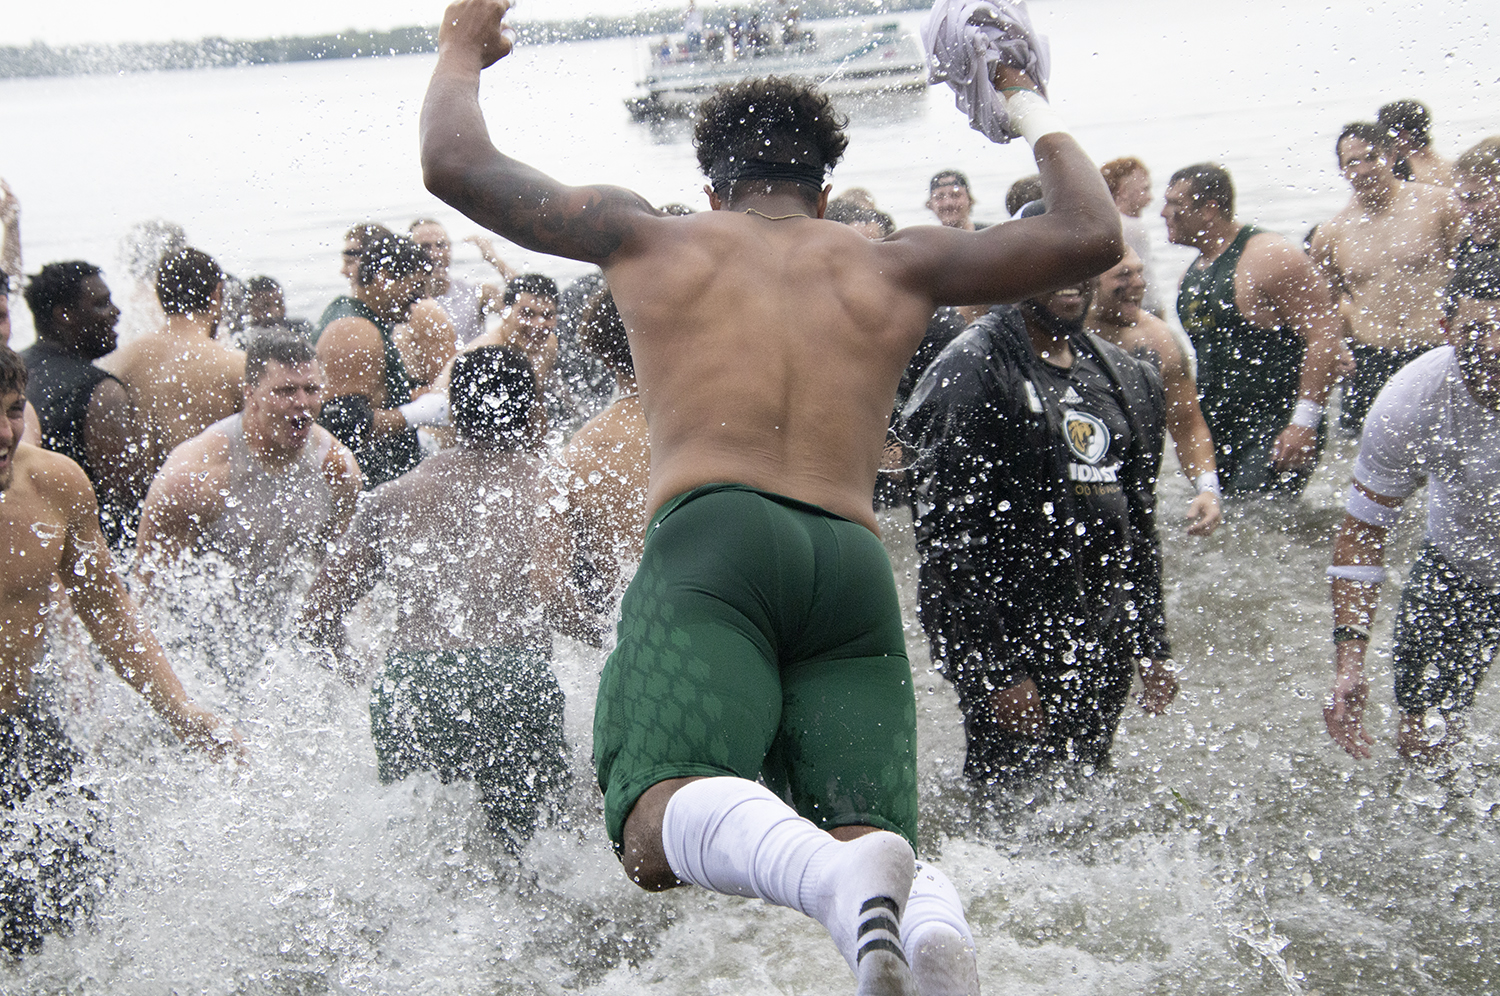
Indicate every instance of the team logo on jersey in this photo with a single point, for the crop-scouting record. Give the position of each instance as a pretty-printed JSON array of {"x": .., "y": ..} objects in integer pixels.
[{"x": 1088, "y": 437}]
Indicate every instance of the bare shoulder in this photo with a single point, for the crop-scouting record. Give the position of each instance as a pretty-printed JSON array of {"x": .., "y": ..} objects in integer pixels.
[
  {"x": 128, "y": 357},
  {"x": 193, "y": 472},
  {"x": 208, "y": 449},
  {"x": 607, "y": 432},
  {"x": 338, "y": 462},
  {"x": 1156, "y": 335},
  {"x": 1434, "y": 197},
  {"x": 1334, "y": 229},
  {"x": 56, "y": 482},
  {"x": 490, "y": 337},
  {"x": 348, "y": 333},
  {"x": 232, "y": 360},
  {"x": 428, "y": 310},
  {"x": 1269, "y": 256}
]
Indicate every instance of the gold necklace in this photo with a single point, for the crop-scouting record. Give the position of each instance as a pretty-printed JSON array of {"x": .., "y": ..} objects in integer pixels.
[{"x": 779, "y": 217}]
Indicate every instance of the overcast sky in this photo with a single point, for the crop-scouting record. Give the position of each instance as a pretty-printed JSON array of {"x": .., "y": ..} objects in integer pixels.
[{"x": 62, "y": 22}]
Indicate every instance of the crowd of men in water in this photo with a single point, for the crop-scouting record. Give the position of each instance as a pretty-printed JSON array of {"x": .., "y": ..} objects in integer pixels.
[{"x": 481, "y": 447}]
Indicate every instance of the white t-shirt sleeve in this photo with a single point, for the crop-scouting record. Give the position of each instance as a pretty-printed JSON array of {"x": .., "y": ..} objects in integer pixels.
[{"x": 1399, "y": 430}]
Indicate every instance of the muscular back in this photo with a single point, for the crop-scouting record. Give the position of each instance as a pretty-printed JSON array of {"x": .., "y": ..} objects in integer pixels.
[
  {"x": 768, "y": 353},
  {"x": 182, "y": 385}
]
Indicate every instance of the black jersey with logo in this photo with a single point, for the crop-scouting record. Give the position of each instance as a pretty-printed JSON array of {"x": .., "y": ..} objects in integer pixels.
[{"x": 1035, "y": 488}]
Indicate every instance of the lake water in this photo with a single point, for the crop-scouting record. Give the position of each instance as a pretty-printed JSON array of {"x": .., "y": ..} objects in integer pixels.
[{"x": 1232, "y": 848}]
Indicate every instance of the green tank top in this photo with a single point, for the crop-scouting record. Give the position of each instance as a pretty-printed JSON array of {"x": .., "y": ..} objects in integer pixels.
[
  {"x": 388, "y": 458},
  {"x": 1247, "y": 375}
]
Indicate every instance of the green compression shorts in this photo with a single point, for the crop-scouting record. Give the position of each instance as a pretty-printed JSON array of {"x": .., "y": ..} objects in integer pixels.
[{"x": 761, "y": 637}]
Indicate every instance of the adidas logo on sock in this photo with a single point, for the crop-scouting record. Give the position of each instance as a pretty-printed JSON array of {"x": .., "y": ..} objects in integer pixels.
[{"x": 880, "y": 917}]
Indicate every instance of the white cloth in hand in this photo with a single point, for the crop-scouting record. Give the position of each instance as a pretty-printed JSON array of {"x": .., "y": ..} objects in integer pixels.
[
  {"x": 427, "y": 410},
  {"x": 965, "y": 39}
]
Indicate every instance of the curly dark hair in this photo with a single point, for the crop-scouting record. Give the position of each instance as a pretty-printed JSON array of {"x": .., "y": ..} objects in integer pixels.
[
  {"x": 776, "y": 119},
  {"x": 491, "y": 391},
  {"x": 53, "y": 285},
  {"x": 12, "y": 371},
  {"x": 602, "y": 332}
]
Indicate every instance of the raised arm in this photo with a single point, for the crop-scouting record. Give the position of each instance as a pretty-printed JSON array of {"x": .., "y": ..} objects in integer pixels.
[
  {"x": 1078, "y": 238},
  {"x": 461, "y": 165},
  {"x": 1357, "y": 573},
  {"x": 487, "y": 250}
]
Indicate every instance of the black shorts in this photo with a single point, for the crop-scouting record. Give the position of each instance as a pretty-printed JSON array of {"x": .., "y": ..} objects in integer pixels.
[
  {"x": 1372, "y": 368},
  {"x": 1447, "y": 631},
  {"x": 49, "y": 825},
  {"x": 1083, "y": 678}
]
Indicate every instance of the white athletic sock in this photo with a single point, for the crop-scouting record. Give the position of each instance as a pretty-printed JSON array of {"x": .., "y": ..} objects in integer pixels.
[
  {"x": 734, "y": 836},
  {"x": 936, "y": 937}
]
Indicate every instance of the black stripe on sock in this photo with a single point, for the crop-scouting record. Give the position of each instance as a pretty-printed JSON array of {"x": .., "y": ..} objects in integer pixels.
[
  {"x": 880, "y": 922},
  {"x": 877, "y": 902},
  {"x": 880, "y": 944}
]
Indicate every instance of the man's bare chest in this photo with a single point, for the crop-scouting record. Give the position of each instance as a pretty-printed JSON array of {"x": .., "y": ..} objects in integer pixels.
[
  {"x": 31, "y": 544},
  {"x": 1397, "y": 247}
]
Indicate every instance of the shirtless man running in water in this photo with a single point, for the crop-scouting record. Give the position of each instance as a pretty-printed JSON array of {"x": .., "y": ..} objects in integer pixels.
[
  {"x": 762, "y": 634},
  {"x": 50, "y": 544}
]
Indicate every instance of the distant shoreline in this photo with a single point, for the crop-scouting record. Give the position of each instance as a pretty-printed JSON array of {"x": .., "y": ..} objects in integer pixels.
[{"x": 39, "y": 59}]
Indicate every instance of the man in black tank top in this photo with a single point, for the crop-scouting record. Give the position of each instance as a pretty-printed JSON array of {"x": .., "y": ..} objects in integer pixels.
[
  {"x": 86, "y": 414},
  {"x": 370, "y": 408},
  {"x": 1262, "y": 321}
]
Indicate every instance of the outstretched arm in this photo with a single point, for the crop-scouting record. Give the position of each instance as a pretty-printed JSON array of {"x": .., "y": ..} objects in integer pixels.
[{"x": 461, "y": 165}]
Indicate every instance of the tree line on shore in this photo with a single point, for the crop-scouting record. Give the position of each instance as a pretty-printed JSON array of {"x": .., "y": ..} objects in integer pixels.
[{"x": 40, "y": 59}]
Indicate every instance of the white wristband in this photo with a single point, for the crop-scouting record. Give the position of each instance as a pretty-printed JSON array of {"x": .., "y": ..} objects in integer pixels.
[
  {"x": 1208, "y": 482},
  {"x": 1308, "y": 414},
  {"x": 1031, "y": 115},
  {"x": 429, "y": 409},
  {"x": 1363, "y": 573}
]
